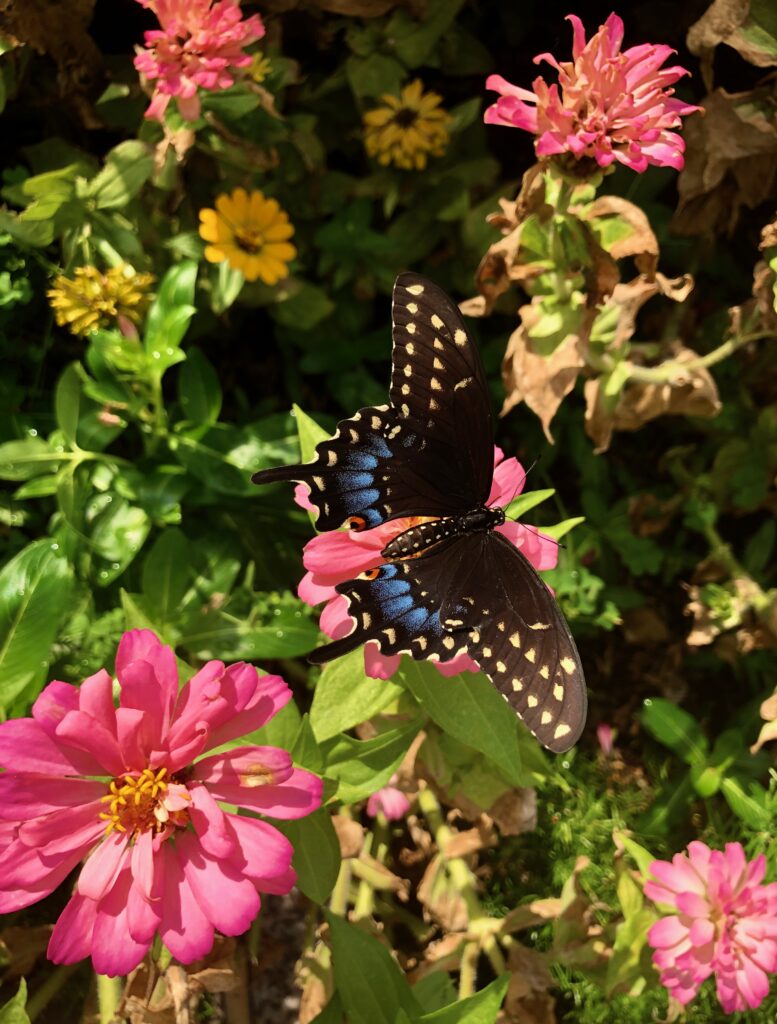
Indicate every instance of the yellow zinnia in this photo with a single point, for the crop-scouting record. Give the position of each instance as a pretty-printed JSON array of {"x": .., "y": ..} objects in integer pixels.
[
  {"x": 251, "y": 233},
  {"x": 93, "y": 298},
  {"x": 259, "y": 68},
  {"x": 407, "y": 129}
]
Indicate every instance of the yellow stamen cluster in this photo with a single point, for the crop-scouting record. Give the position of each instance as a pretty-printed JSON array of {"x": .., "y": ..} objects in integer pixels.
[
  {"x": 135, "y": 802},
  {"x": 93, "y": 298},
  {"x": 407, "y": 129}
]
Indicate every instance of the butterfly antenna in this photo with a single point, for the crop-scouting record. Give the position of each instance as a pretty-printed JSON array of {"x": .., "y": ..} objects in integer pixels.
[{"x": 527, "y": 526}]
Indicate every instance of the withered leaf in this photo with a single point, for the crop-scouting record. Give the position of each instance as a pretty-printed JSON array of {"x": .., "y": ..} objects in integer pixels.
[
  {"x": 515, "y": 811},
  {"x": 729, "y": 22},
  {"x": 528, "y": 999},
  {"x": 731, "y": 160},
  {"x": 350, "y": 835},
  {"x": 440, "y": 897},
  {"x": 462, "y": 844},
  {"x": 769, "y": 730},
  {"x": 642, "y": 243}
]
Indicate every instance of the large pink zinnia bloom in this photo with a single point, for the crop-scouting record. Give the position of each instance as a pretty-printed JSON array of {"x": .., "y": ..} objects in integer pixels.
[
  {"x": 199, "y": 44},
  {"x": 122, "y": 787},
  {"x": 726, "y": 925},
  {"x": 337, "y": 556},
  {"x": 607, "y": 105}
]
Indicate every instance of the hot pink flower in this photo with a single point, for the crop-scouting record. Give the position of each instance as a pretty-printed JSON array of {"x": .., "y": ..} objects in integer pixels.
[
  {"x": 123, "y": 788},
  {"x": 610, "y": 105},
  {"x": 726, "y": 925},
  {"x": 389, "y": 801},
  {"x": 337, "y": 556},
  {"x": 199, "y": 44}
]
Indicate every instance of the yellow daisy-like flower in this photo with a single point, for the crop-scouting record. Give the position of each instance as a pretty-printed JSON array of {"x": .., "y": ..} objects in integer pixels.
[
  {"x": 259, "y": 68},
  {"x": 251, "y": 233},
  {"x": 93, "y": 298},
  {"x": 407, "y": 129}
]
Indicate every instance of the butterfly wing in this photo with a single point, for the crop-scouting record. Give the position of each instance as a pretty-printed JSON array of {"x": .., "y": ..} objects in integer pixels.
[
  {"x": 518, "y": 636},
  {"x": 476, "y": 594},
  {"x": 428, "y": 453}
]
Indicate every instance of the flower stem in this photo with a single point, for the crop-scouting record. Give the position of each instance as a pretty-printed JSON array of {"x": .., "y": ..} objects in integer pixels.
[
  {"x": 108, "y": 997},
  {"x": 43, "y": 995},
  {"x": 671, "y": 369}
]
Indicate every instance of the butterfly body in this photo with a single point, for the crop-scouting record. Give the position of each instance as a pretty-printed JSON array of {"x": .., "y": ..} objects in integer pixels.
[
  {"x": 418, "y": 540},
  {"x": 451, "y": 583}
]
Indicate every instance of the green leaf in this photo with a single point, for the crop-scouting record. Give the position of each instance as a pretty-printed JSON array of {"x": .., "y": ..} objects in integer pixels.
[
  {"x": 524, "y": 502},
  {"x": 310, "y": 434},
  {"x": 482, "y": 1008},
  {"x": 562, "y": 529},
  {"x": 127, "y": 168},
  {"x": 169, "y": 315},
  {"x": 643, "y": 858},
  {"x": 675, "y": 728},
  {"x": 332, "y": 1012},
  {"x": 306, "y": 306},
  {"x": 362, "y": 766},
  {"x": 370, "y": 984},
  {"x": 14, "y": 1011},
  {"x": 167, "y": 573},
  {"x": 67, "y": 402},
  {"x": 345, "y": 696},
  {"x": 198, "y": 389},
  {"x": 31, "y": 457},
  {"x": 434, "y": 991},
  {"x": 316, "y": 853},
  {"x": 750, "y": 806},
  {"x": 118, "y": 533},
  {"x": 470, "y": 709},
  {"x": 414, "y": 41},
  {"x": 305, "y": 751},
  {"x": 281, "y": 731},
  {"x": 35, "y": 588},
  {"x": 374, "y": 75}
]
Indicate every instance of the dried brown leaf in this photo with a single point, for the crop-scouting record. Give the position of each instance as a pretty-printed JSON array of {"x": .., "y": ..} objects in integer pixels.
[
  {"x": 350, "y": 835},
  {"x": 729, "y": 22},
  {"x": 731, "y": 160},
  {"x": 515, "y": 811},
  {"x": 471, "y": 840},
  {"x": 650, "y": 516},
  {"x": 642, "y": 243},
  {"x": 440, "y": 899},
  {"x": 542, "y": 382},
  {"x": 529, "y": 999},
  {"x": 688, "y": 394},
  {"x": 769, "y": 731},
  {"x": 530, "y": 914}
]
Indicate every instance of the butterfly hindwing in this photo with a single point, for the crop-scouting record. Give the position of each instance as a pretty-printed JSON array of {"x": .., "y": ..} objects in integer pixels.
[
  {"x": 518, "y": 636},
  {"x": 398, "y": 607}
]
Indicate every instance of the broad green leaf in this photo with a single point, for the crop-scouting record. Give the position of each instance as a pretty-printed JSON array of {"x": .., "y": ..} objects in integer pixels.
[
  {"x": 316, "y": 853},
  {"x": 305, "y": 751},
  {"x": 14, "y": 1011},
  {"x": 362, "y": 766},
  {"x": 675, "y": 728},
  {"x": 35, "y": 588},
  {"x": 434, "y": 991},
  {"x": 630, "y": 964},
  {"x": 482, "y": 1008},
  {"x": 562, "y": 529},
  {"x": 135, "y": 614},
  {"x": 198, "y": 389},
  {"x": 332, "y": 1012},
  {"x": 470, "y": 709},
  {"x": 306, "y": 306},
  {"x": 370, "y": 984},
  {"x": 413, "y": 41},
  {"x": 31, "y": 457},
  {"x": 643, "y": 858},
  {"x": 127, "y": 168},
  {"x": 167, "y": 574},
  {"x": 119, "y": 531},
  {"x": 345, "y": 696},
  {"x": 170, "y": 313},
  {"x": 524, "y": 502},
  {"x": 750, "y": 806},
  {"x": 67, "y": 402},
  {"x": 374, "y": 75},
  {"x": 281, "y": 730}
]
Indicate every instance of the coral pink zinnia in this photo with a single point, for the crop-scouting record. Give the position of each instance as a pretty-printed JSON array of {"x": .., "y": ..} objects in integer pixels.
[
  {"x": 336, "y": 556},
  {"x": 123, "y": 788},
  {"x": 199, "y": 44},
  {"x": 608, "y": 105},
  {"x": 726, "y": 925}
]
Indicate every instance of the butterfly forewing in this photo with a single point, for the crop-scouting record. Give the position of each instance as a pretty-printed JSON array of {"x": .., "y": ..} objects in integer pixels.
[
  {"x": 518, "y": 636},
  {"x": 438, "y": 382}
]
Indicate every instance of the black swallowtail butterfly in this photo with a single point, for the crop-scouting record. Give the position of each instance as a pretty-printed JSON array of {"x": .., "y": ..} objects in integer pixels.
[{"x": 453, "y": 583}]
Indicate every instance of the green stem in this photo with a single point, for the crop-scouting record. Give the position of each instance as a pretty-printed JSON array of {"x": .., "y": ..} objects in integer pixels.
[
  {"x": 338, "y": 901},
  {"x": 108, "y": 997},
  {"x": 671, "y": 369},
  {"x": 365, "y": 894},
  {"x": 43, "y": 995},
  {"x": 468, "y": 970}
]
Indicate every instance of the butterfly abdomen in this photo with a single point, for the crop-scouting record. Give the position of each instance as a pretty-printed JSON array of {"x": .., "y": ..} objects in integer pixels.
[{"x": 419, "y": 539}]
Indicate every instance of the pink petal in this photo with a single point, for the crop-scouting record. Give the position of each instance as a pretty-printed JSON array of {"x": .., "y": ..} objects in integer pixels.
[
  {"x": 141, "y": 692},
  {"x": 86, "y": 733},
  {"x": 692, "y": 904},
  {"x": 71, "y": 939},
  {"x": 245, "y": 766},
  {"x": 53, "y": 704},
  {"x": 24, "y": 796},
  {"x": 314, "y": 593},
  {"x": 95, "y": 697},
  {"x": 114, "y": 951},
  {"x": 101, "y": 869},
  {"x": 143, "y": 645},
  {"x": 334, "y": 557},
  {"x": 142, "y": 864},
  {"x": 702, "y": 931},
  {"x": 43, "y": 880},
  {"x": 377, "y": 665},
  {"x": 25, "y": 747},
  {"x": 211, "y": 824},
  {"x": 265, "y": 853},
  {"x": 228, "y": 900},
  {"x": 55, "y": 833},
  {"x": 667, "y": 932},
  {"x": 143, "y": 915},
  {"x": 268, "y": 695},
  {"x": 184, "y": 929},
  {"x": 295, "y": 798},
  {"x": 335, "y": 620},
  {"x": 508, "y": 482}
]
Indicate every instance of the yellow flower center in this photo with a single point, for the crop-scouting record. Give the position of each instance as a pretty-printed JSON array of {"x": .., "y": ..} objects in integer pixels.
[
  {"x": 249, "y": 240},
  {"x": 136, "y": 803}
]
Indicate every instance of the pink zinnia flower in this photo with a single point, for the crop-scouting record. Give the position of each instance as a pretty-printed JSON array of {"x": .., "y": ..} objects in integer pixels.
[
  {"x": 199, "y": 44},
  {"x": 123, "y": 788},
  {"x": 389, "y": 801},
  {"x": 608, "y": 105},
  {"x": 726, "y": 925},
  {"x": 337, "y": 556}
]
